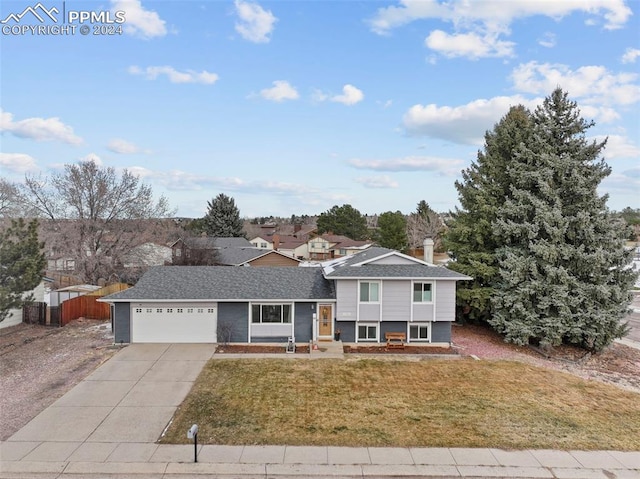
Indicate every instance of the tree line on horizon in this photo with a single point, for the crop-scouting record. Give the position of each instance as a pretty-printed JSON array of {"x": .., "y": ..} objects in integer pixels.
[{"x": 547, "y": 257}]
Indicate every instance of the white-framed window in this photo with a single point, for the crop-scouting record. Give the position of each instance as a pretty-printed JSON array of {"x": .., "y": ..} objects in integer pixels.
[
  {"x": 169, "y": 310},
  {"x": 138, "y": 310},
  {"x": 149, "y": 310},
  {"x": 178, "y": 252},
  {"x": 422, "y": 292},
  {"x": 263, "y": 245},
  {"x": 158, "y": 310},
  {"x": 210, "y": 310},
  {"x": 189, "y": 310},
  {"x": 419, "y": 332},
  {"x": 367, "y": 332},
  {"x": 179, "y": 310},
  {"x": 200, "y": 310},
  {"x": 369, "y": 292},
  {"x": 271, "y": 313}
]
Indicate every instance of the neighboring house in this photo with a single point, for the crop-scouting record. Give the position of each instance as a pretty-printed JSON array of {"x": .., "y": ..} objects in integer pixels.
[
  {"x": 39, "y": 292},
  {"x": 147, "y": 254},
  {"x": 260, "y": 242},
  {"x": 184, "y": 249},
  {"x": 291, "y": 246},
  {"x": 363, "y": 295},
  {"x": 328, "y": 246},
  {"x": 254, "y": 257}
]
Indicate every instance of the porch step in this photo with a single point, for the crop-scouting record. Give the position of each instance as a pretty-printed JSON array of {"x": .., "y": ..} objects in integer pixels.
[{"x": 328, "y": 349}]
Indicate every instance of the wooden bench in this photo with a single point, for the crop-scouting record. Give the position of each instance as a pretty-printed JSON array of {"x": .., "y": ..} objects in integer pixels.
[{"x": 395, "y": 340}]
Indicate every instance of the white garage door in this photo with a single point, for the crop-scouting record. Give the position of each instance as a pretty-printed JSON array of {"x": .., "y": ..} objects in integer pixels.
[{"x": 174, "y": 323}]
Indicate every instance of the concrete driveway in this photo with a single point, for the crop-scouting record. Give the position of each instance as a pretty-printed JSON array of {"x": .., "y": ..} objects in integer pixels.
[{"x": 129, "y": 399}]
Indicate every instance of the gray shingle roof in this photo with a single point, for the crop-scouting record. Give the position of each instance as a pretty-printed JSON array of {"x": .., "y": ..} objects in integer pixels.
[
  {"x": 220, "y": 283},
  {"x": 344, "y": 268},
  {"x": 414, "y": 271}
]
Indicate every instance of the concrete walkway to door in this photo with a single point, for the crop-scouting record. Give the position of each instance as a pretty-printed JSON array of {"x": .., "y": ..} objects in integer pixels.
[{"x": 107, "y": 427}]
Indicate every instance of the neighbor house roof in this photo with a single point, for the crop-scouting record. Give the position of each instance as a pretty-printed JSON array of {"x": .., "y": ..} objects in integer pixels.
[
  {"x": 239, "y": 256},
  {"x": 220, "y": 283},
  {"x": 209, "y": 242}
]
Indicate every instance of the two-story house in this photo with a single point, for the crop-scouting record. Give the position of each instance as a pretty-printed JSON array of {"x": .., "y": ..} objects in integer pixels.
[{"x": 364, "y": 295}]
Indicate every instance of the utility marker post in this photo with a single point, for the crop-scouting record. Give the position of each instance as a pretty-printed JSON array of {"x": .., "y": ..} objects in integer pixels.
[{"x": 193, "y": 434}]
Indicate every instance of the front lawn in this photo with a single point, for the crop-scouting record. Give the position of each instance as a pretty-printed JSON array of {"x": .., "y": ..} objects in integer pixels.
[{"x": 437, "y": 403}]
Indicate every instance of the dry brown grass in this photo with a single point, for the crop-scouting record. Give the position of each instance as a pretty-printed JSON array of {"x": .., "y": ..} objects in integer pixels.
[{"x": 435, "y": 403}]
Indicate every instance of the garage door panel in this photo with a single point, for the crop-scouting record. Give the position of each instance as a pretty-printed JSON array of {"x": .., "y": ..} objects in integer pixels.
[{"x": 177, "y": 323}]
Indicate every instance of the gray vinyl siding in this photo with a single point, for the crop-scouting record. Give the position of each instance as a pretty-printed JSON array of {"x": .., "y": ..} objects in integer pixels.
[
  {"x": 303, "y": 322},
  {"x": 423, "y": 312},
  {"x": 369, "y": 312},
  {"x": 445, "y": 301},
  {"x": 347, "y": 300},
  {"x": 392, "y": 327},
  {"x": 236, "y": 315},
  {"x": 122, "y": 323},
  {"x": 441, "y": 332},
  {"x": 347, "y": 331},
  {"x": 396, "y": 300}
]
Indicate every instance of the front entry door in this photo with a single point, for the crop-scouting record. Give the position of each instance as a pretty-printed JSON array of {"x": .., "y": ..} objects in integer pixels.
[{"x": 325, "y": 321}]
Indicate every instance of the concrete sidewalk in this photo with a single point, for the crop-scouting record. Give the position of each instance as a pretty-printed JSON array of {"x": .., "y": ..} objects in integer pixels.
[{"x": 106, "y": 427}]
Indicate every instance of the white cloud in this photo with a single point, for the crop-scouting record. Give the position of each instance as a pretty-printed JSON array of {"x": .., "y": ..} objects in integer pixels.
[
  {"x": 377, "y": 182},
  {"x": 350, "y": 96},
  {"x": 175, "y": 76},
  {"x": 548, "y": 40},
  {"x": 595, "y": 84},
  {"x": 630, "y": 55},
  {"x": 92, "y": 157},
  {"x": 123, "y": 147},
  {"x": 494, "y": 14},
  {"x": 39, "y": 129},
  {"x": 445, "y": 166},
  {"x": 138, "y": 21},
  {"x": 618, "y": 146},
  {"x": 479, "y": 26},
  {"x": 471, "y": 45},
  {"x": 464, "y": 124},
  {"x": 256, "y": 23},
  {"x": 281, "y": 90},
  {"x": 17, "y": 162}
]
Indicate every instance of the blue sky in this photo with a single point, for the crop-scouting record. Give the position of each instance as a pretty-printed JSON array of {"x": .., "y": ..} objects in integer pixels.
[{"x": 291, "y": 107}]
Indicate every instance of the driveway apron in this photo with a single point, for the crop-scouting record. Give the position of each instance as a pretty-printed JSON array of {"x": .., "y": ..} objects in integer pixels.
[{"x": 129, "y": 399}]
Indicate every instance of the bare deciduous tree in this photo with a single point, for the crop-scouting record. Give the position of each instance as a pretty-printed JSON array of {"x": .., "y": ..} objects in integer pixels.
[
  {"x": 95, "y": 215},
  {"x": 424, "y": 223},
  {"x": 11, "y": 202}
]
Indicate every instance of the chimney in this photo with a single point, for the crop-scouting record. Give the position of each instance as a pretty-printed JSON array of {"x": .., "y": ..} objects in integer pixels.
[
  {"x": 428, "y": 250},
  {"x": 276, "y": 241},
  {"x": 297, "y": 227}
]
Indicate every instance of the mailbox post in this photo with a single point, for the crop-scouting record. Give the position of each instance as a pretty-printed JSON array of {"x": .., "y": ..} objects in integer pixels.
[{"x": 192, "y": 433}]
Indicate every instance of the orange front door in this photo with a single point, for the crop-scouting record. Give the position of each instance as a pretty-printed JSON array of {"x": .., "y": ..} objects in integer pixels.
[{"x": 325, "y": 321}]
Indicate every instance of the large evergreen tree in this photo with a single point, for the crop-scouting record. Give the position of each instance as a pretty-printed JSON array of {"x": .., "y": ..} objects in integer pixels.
[
  {"x": 563, "y": 271},
  {"x": 343, "y": 220},
  {"x": 22, "y": 264},
  {"x": 223, "y": 218},
  {"x": 392, "y": 230},
  {"x": 471, "y": 239}
]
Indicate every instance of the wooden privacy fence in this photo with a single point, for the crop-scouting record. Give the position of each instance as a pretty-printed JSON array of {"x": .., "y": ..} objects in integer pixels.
[
  {"x": 83, "y": 307},
  {"x": 34, "y": 313},
  {"x": 87, "y": 306}
]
